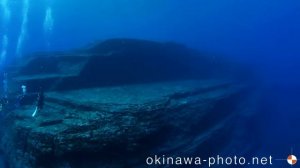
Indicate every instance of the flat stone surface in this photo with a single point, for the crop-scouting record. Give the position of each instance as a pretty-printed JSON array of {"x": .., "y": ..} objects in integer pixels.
[{"x": 125, "y": 118}]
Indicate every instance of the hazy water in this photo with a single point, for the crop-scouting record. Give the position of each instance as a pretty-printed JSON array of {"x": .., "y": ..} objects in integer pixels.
[{"x": 264, "y": 34}]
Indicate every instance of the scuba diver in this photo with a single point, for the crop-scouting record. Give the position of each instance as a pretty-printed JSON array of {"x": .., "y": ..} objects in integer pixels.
[
  {"x": 39, "y": 102},
  {"x": 21, "y": 97}
]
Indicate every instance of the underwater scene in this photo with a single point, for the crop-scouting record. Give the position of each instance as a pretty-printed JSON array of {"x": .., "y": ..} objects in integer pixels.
[{"x": 149, "y": 83}]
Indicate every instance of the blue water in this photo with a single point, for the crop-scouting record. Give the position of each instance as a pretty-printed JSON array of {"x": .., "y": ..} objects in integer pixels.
[
  {"x": 2, "y": 162},
  {"x": 265, "y": 34}
]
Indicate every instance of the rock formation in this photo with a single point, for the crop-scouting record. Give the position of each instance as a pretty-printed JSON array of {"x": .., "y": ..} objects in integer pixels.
[{"x": 114, "y": 103}]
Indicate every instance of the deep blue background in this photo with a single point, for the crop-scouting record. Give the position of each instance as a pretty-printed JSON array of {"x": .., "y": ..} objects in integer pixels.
[{"x": 262, "y": 33}]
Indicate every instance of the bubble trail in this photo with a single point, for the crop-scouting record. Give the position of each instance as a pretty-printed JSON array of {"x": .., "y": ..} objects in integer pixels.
[
  {"x": 48, "y": 21},
  {"x": 6, "y": 11},
  {"x": 48, "y": 24},
  {"x": 23, "y": 32},
  {"x": 6, "y": 18},
  {"x": 4, "y": 47}
]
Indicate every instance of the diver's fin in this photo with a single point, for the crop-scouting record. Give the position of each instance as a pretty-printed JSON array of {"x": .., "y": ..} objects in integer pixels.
[{"x": 35, "y": 111}]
